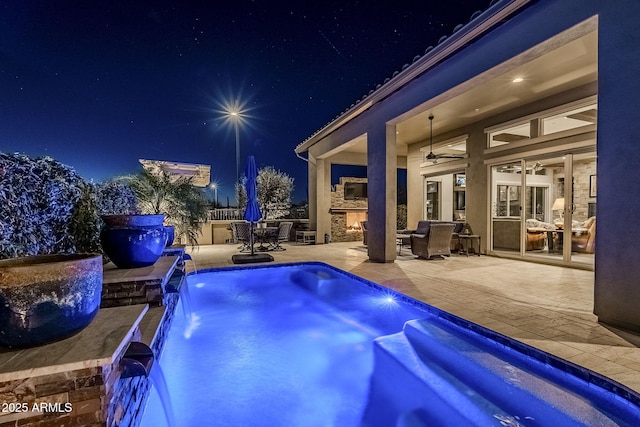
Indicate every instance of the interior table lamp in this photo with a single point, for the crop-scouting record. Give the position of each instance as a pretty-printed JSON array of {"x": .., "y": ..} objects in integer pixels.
[{"x": 558, "y": 205}]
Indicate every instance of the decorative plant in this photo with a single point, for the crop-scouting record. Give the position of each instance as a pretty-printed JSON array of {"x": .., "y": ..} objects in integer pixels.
[
  {"x": 116, "y": 198},
  {"x": 45, "y": 207},
  {"x": 274, "y": 193},
  {"x": 86, "y": 223},
  {"x": 183, "y": 205}
]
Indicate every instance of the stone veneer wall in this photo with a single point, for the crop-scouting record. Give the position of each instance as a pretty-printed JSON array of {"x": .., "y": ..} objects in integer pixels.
[
  {"x": 143, "y": 292},
  {"x": 339, "y": 219},
  {"x": 582, "y": 176},
  {"x": 582, "y": 172},
  {"x": 75, "y": 399}
]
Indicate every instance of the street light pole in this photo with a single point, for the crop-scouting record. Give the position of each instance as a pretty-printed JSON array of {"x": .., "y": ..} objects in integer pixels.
[
  {"x": 234, "y": 114},
  {"x": 214, "y": 186},
  {"x": 236, "y": 117}
]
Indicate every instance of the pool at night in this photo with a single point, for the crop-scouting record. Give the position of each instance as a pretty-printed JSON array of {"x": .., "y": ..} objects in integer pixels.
[{"x": 310, "y": 345}]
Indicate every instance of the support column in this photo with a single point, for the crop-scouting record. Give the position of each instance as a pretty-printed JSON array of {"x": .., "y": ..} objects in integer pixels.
[
  {"x": 617, "y": 266},
  {"x": 319, "y": 197},
  {"x": 312, "y": 188},
  {"x": 382, "y": 164}
]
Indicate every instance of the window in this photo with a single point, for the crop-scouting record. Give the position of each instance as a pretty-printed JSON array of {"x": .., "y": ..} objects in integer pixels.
[
  {"x": 433, "y": 201},
  {"x": 508, "y": 203},
  {"x": 570, "y": 119},
  {"x": 510, "y": 134}
]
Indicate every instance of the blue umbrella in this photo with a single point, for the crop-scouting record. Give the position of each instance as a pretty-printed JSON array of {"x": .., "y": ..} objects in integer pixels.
[{"x": 252, "y": 212}]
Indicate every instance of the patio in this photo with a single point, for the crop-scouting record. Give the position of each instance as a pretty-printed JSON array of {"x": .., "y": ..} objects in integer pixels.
[{"x": 547, "y": 307}]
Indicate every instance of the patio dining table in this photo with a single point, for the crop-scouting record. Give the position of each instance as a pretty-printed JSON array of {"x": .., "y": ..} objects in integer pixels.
[{"x": 264, "y": 235}]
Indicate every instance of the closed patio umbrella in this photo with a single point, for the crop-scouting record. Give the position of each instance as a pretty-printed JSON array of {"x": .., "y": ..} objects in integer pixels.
[{"x": 252, "y": 211}]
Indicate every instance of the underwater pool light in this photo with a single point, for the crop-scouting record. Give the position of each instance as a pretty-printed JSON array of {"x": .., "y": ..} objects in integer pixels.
[{"x": 387, "y": 299}]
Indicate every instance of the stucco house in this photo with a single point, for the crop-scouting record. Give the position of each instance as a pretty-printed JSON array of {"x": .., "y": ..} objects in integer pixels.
[{"x": 522, "y": 123}]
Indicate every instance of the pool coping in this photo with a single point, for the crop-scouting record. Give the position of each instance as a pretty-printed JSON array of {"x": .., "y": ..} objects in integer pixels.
[{"x": 542, "y": 356}]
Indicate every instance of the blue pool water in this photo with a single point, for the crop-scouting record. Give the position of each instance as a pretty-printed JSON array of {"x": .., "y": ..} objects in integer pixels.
[{"x": 310, "y": 345}]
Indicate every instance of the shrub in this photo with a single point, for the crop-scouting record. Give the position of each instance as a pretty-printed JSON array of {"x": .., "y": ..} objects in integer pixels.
[{"x": 45, "y": 207}]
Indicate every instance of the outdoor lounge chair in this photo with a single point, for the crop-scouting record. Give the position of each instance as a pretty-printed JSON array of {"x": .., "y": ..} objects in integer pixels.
[{"x": 432, "y": 239}]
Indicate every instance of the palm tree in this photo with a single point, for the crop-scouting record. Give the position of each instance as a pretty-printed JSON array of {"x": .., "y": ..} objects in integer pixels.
[{"x": 183, "y": 205}]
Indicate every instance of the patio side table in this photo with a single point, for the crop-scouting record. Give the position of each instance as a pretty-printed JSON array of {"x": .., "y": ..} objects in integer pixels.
[
  {"x": 466, "y": 242},
  {"x": 401, "y": 240}
]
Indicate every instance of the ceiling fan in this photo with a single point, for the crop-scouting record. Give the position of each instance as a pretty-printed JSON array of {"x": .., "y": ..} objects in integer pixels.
[{"x": 434, "y": 157}]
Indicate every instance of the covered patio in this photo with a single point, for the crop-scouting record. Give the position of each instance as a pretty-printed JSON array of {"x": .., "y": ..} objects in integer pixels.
[{"x": 497, "y": 84}]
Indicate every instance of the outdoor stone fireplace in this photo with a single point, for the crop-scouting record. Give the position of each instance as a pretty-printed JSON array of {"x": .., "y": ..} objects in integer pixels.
[{"x": 347, "y": 213}]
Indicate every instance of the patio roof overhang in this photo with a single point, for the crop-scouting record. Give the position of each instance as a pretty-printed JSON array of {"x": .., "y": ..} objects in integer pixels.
[{"x": 567, "y": 61}]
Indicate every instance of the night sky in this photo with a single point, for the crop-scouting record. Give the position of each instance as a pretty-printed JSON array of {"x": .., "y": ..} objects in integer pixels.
[{"x": 99, "y": 84}]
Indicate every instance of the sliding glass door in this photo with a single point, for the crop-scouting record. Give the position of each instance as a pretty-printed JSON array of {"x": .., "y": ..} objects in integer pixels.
[
  {"x": 506, "y": 186},
  {"x": 554, "y": 216}
]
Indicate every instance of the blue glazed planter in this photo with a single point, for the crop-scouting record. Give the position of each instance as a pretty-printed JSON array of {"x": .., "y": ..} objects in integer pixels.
[
  {"x": 133, "y": 241},
  {"x": 171, "y": 234},
  {"x": 48, "y": 297}
]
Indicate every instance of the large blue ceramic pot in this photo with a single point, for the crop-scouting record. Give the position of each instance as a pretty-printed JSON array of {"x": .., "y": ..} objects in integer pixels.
[
  {"x": 171, "y": 234},
  {"x": 47, "y": 298},
  {"x": 132, "y": 241}
]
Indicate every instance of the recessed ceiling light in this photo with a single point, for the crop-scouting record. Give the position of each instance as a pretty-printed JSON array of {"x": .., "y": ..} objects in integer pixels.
[{"x": 517, "y": 80}]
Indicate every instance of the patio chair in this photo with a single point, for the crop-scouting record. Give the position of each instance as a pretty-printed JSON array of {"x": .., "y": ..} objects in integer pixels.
[
  {"x": 284, "y": 229},
  {"x": 432, "y": 239},
  {"x": 243, "y": 232},
  {"x": 234, "y": 232}
]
